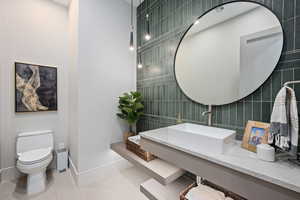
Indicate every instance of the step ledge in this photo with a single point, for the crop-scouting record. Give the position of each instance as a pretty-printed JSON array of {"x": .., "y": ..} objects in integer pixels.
[
  {"x": 158, "y": 169},
  {"x": 153, "y": 190}
]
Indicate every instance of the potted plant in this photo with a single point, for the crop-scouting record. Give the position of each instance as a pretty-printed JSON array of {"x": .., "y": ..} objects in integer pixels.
[{"x": 131, "y": 107}]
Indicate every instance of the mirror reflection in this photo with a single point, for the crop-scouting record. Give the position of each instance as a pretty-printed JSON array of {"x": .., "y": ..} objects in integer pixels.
[{"x": 228, "y": 53}]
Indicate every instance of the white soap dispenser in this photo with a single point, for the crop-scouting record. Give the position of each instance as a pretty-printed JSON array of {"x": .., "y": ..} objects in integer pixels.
[{"x": 265, "y": 152}]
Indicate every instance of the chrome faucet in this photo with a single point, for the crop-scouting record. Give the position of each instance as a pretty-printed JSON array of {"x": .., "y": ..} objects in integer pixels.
[{"x": 209, "y": 113}]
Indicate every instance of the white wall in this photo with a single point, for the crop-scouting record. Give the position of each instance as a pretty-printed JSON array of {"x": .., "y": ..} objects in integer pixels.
[
  {"x": 89, "y": 45},
  {"x": 106, "y": 69},
  {"x": 73, "y": 81},
  {"x": 33, "y": 31}
]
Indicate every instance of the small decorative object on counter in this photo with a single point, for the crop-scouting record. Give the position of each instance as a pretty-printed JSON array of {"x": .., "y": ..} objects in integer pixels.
[
  {"x": 265, "y": 152},
  {"x": 255, "y": 133},
  {"x": 131, "y": 107}
]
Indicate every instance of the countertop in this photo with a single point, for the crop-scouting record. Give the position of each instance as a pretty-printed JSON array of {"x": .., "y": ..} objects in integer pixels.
[{"x": 281, "y": 172}]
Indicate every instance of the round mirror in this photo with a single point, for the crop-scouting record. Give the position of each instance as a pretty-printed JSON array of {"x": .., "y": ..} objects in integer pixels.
[{"x": 228, "y": 53}]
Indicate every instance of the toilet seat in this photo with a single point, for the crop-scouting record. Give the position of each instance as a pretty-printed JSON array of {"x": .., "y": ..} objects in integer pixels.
[{"x": 34, "y": 156}]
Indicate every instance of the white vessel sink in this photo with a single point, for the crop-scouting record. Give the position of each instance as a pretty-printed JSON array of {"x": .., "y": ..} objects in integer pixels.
[{"x": 197, "y": 138}]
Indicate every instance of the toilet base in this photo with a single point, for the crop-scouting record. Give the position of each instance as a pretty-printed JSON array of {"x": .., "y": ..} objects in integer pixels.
[{"x": 36, "y": 183}]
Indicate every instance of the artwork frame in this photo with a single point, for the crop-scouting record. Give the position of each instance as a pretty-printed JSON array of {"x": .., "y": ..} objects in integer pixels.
[
  {"x": 41, "y": 82},
  {"x": 255, "y": 133}
]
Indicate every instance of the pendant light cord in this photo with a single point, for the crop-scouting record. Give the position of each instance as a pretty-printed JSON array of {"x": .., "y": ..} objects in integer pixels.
[{"x": 132, "y": 14}]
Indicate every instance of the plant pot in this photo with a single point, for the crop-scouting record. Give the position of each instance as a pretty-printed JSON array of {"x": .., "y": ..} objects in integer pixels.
[{"x": 127, "y": 135}]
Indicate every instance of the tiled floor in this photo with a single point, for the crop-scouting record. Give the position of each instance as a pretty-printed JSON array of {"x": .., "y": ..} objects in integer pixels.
[{"x": 122, "y": 183}]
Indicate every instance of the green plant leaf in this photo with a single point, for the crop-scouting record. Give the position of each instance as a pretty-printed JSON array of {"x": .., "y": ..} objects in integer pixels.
[{"x": 131, "y": 107}]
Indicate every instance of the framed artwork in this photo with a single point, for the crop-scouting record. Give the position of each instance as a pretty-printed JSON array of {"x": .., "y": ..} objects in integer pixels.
[
  {"x": 35, "y": 88},
  {"x": 255, "y": 133}
]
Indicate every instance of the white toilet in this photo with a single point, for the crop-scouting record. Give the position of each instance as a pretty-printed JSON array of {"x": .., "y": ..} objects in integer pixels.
[{"x": 34, "y": 152}]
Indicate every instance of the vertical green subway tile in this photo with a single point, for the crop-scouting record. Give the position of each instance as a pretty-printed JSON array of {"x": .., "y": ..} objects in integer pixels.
[
  {"x": 257, "y": 111},
  {"x": 178, "y": 93},
  {"x": 208, "y": 4},
  {"x": 177, "y": 109},
  {"x": 266, "y": 112},
  {"x": 233, "y": 113},
  {"x": 156, "y": 107},
  {"x": 219, "y": 114},
  {"x": 277, "y": 8},
  {"x": 276, "y": 83},
  {"x": 165, "y": 91},
  {"x": 289, "y": 8},
  {"x": 297, "y": 8},
  {"x": 165, "y": 108},
  {"x": 169, "y": 109},
  {"x": 240, "y": 113},
  {"x": 225, "y": 114},
  {"x": 297, "y": 30},
  {"x": 161, "y": 110},
  {"x": 214, "y": 115},
  {"x": 288, "y": 27},
  {"x": 190, "y": 111},
  {"x": 297, "y": 86},
  {"x": 268, "y": 3},
  {"x": 183, "y": 109},
  {"x": 198, "y": 112},
  {"x": 215, "y": 3},
  {"x": 287, "y": 75},
  {"x": 194, "y": 111},
  {"x": 172, "y": 92},
  {"x": 248, "y": 112},
  {"x": 257, "y": 95},
  {"x": 195, "y": 8},
  {"x": 266, "y": 90},
  {"x": 249, "y": 98}
]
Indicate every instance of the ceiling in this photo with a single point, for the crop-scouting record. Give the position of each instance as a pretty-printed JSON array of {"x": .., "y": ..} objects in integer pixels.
[
  {"x": 67, "y": 2},
  {"x": 135, "y": 2},
  {"x": 63, "y": 2}
]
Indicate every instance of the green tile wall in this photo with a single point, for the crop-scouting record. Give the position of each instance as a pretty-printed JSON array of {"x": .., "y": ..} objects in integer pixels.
[{"x": 162, "y": 96}]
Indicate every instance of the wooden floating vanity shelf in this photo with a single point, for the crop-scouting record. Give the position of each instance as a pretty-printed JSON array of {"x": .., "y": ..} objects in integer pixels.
[{"x": 147, "y": 156}]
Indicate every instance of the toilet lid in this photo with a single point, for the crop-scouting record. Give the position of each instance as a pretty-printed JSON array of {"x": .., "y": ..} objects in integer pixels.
[{"x": 34, "y": 156}]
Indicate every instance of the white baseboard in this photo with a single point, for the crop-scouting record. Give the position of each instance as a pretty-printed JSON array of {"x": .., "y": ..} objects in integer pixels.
[
  {"x": 96, "y": 174},
  {"x": 74, "y": 171}
]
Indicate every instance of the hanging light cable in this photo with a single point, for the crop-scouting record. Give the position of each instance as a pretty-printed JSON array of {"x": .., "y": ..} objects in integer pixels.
[
  {"x": 147, "y": 36},
  {"x": 140, "y": 64},
  {"x": 131, "y": 43}
]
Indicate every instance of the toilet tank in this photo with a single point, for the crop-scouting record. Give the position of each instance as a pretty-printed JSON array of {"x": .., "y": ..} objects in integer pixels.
[{"x": 34, "y": 140}]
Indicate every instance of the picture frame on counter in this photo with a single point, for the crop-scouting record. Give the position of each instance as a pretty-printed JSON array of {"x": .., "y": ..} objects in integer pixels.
[{"x": 255, "y": 133}]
